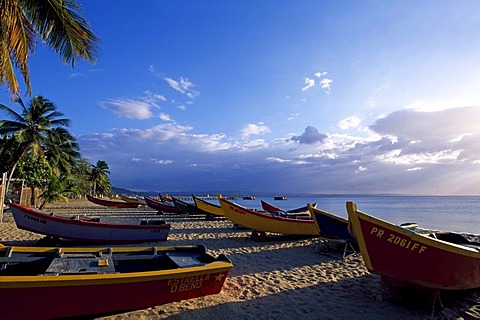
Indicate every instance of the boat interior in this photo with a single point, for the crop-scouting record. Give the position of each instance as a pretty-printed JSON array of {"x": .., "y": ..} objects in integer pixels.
[{"x": 105, "y": 261}]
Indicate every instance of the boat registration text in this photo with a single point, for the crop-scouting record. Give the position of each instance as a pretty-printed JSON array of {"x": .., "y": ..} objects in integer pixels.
[{"x": 398, "y": 240}]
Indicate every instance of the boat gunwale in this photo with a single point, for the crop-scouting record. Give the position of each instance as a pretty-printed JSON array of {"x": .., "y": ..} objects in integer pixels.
[
  {"x": 66, "y": 220},
  {"x": 111, "y": 203},
  {"x": 266, "y": 215},
  {"x": 207, "y": 206},
  {"x": 221, "y": 264},
  {"x": 356, "y": 215}
]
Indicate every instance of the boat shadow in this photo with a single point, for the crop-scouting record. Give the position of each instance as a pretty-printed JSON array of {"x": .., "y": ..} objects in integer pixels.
[{"x": 347, "y": 298}]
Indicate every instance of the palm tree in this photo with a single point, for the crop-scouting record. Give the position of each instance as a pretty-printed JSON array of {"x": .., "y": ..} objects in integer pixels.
[
  {"x": 56, "y": 23},
  {"x": 31, "y": 131},
  {"x": 56, "y": 189},
  {"x": 100, "y": 179},
  {"x": 62, "y": 151},
  {"x": 82, "y": 173}
]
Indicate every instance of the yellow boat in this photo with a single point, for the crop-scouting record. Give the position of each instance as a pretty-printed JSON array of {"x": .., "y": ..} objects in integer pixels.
[
  {"x": 265, "y": 222},
  {"x": 208, "y": 207}
]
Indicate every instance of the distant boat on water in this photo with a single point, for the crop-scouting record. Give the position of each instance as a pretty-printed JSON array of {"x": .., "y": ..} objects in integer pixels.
[
  {"x": 280, "y": 198},
  {"x": 248, "y": 197}
]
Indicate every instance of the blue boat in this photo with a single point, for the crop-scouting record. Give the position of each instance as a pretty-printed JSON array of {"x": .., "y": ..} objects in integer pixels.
[{"x": 332, "y": 227}]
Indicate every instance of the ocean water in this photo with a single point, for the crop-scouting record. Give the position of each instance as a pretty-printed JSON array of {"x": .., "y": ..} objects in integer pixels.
[{"x": 446, "y": 213}]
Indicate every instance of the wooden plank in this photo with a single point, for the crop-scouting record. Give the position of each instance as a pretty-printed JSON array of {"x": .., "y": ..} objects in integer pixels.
[
  {"x": 81, "y": 264},
  {"x": 183, "y": 260}
]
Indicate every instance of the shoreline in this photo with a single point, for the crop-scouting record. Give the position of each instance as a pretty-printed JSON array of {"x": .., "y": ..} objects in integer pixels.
[{"x": 277, "y": 279}]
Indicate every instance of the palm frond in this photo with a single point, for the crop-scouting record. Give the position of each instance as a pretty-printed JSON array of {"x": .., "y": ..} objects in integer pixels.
[
  {"x": 19, "y": 37},
  {"x": 63, "y": 29}
]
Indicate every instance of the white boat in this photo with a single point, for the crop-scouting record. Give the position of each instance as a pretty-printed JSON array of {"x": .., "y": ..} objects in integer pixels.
[{"x": 82, "y": 228}]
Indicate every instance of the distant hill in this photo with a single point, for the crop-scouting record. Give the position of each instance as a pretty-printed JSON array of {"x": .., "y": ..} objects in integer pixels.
[{"x": 127, "y": 192}]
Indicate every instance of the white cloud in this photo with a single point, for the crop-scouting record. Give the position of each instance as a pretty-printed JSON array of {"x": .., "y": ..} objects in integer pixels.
[
  {"x": 289, "y": 161},
  {"x": 361, "y": 169},
  {"x": 163, "y": 162},
  {"x": 253, "y": 129},
  {"x": 324, "y": 82},
  {"x": 349, "y": 123},
  {"x": 320, "y": 74},
  {"x": 183, "y": 86},
  {"x": 404, "y": 152},
  {"x": 128, "y": 108},
  {"x": 153, "y": 98},
  {"x": 292, "y": 116},
  {"x": 309, "y": 83},
  {"x": 165, "y": 117}
]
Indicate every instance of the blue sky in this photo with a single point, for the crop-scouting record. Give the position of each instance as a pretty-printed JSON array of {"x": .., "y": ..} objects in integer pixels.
[{"x": 277, "y": 96}]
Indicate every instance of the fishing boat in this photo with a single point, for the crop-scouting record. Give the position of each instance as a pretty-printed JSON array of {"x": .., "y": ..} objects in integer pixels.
[
  {"x": 271, "y": 208},
  {"x": 141, "y": 200},
  {"x": 248, "y": 197},
  {"x": 165, "y": 198},
  {"x": 188, "y": 208},
  {"x": 330, "y": 225},
  {"x": 51, "y": 282},
  {"x": 409, "y": 257},
  {"x": 332, "y": 228},
  {"x": 208, "y": 207},
  {"x": 264, "y": 222},
  {"x": 111, "y": 203},
  {"x": 279, "y": 198},
  {"x": 82, "y": 228},
  {"x": 161, "y": 206},
  {"x": 129, "y": 199}
]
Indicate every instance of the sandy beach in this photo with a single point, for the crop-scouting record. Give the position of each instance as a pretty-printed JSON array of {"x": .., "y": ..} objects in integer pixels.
[{"x": 276, "y": 279}]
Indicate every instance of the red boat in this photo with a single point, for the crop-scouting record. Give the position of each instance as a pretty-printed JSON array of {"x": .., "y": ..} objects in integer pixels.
[
  {"x": 271, "y": 209},
  {"x": 52, "y": 283},
  {"x": 111, "y": 203},
  {"x": 161, "y": 206},
  {"x": 399, "y": 253}
]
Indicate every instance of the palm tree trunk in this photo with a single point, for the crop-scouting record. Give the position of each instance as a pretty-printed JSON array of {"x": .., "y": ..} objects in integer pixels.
[
  {"x": 10, "y": 178},
  {"x": 23, "y": 149}
]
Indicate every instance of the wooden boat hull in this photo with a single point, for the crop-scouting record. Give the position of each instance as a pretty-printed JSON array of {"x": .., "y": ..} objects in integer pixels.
[
  {"x": 187, "y": 208},
  {"x": 160, "y": 206},
  {"x": 264, "y": 222},
  {"x": 81, "y": 229},
  {"x": 413, "y": 258},
  {"x": 49, "y": 296},
  {"x": 109, "y": 203},
  {"x": 208, "y": 207},
  {"x": 141, "y": 201},
  {"x": 129, "y": 199},
  {"x": 268, "y": 207},
  {"x": 330, "y": 225}
]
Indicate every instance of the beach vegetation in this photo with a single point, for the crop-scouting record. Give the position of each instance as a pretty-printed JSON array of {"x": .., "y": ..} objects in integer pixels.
[
  {"x": 99, "y": 177},
  {"x": 58, "y": 189},
  {"x": 36, "y": 146},
  {"x": 57, "y": 24},
  {"x": 36, "y": 130}
]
